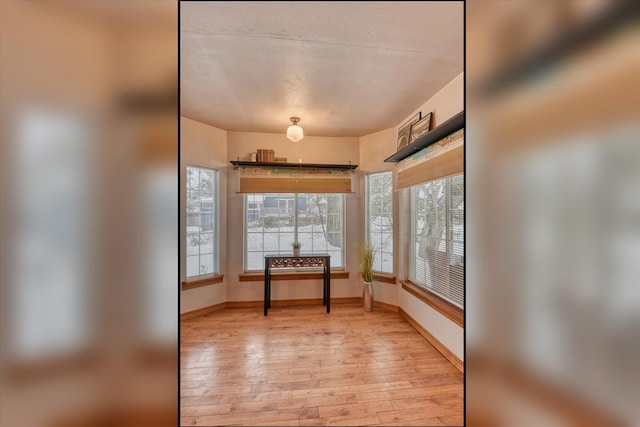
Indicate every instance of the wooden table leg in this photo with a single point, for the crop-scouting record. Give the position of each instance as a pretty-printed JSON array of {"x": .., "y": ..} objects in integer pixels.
[
  {"x": 269, "y": 287},
  {"x": 324, "y": 287}
]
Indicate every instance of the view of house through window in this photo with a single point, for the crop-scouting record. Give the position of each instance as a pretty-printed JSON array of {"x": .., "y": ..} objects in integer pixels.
[
  {"x": 436, "y": 259},
  {"x": 275, "y": 221},
  {"x": 380, "y": 220},
  {"x": 202, "y": 235}
]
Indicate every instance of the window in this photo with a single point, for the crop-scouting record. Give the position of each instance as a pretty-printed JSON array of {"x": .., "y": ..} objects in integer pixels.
[
  {"x": 380, "y": 220},
  {"x": 436, "y": 259},
  {"x": 202, "y": 220},
  {"x": 275, "y": 221}
]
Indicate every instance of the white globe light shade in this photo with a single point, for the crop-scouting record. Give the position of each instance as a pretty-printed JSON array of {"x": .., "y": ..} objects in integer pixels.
[{"x": 294, "y": 133}]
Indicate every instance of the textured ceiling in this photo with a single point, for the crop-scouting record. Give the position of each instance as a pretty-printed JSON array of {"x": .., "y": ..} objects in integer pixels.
[{"x": 344, "y": 68}]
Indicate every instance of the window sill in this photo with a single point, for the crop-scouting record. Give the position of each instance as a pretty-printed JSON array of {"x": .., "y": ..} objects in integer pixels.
[
  {"x": 311, "y": 275},
  {"x": 385, "y": 278},
  {"x": 202, "y": 281},
  {"x": 448, "y": 310}
]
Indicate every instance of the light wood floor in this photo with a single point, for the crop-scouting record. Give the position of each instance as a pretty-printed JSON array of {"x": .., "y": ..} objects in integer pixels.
[{"x": 300, "y": 366}]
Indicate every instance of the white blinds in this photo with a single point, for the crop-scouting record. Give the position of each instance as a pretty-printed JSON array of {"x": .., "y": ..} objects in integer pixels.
[
  {"x": 436, "y": 259},
  {"x": 456, "y": 238}
]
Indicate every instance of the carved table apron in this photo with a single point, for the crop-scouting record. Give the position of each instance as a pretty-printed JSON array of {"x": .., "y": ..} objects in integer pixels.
[{"x": 290, "y": 261}]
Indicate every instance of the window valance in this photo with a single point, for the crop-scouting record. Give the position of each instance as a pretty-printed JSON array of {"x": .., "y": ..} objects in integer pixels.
[
  {"x": 439, "y": 160},
  {"x": 256, "y": 177}
]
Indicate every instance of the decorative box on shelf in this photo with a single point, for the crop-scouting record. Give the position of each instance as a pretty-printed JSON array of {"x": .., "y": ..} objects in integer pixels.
[{"x": 447, "y": 128}]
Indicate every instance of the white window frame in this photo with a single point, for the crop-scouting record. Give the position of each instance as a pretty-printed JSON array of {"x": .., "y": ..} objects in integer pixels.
[
  {"x": 289, "y": 249},
  {"x": 215, "y": 226},
  {"x": 376, "y": 243}
]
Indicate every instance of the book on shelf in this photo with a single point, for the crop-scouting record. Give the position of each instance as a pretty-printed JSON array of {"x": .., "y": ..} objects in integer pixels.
[{"x": 265, "y": 155}]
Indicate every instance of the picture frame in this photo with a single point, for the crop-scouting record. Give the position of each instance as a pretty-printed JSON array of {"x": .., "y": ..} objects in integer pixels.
[
  {"x": 404, "y": 131},
  {"x": 420, "y": 128}
]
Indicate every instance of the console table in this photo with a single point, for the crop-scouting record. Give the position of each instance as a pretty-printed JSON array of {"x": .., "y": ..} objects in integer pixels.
[{"x": 291, "y": 261}]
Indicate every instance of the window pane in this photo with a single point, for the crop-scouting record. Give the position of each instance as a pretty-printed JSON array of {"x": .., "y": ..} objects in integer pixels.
[
  {"x": 437, "y": 237},
  {"x": 285, "y": 242},
  {"x": 255, "y": 261},
  {"x": 273, "y": 217},
  {"x": 206, "y": 244},
  {"x": 201, "y": 244},
  {"x": 306, "y": 239},
  {"x": 387, "y": 262},
  {"x": 254, "y": 241},
  {"x": 193, "y": 265},
  {"x": 336, "y": 259},
  {"x": 319, "y": 238},
  {"x": 380, "y": 220},
  {"x": 271, "y": 242},
  {"x": 206, "y": 183}
]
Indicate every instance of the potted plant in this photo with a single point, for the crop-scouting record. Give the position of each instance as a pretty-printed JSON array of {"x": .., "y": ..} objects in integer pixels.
[
  {"x": 296, "y": 248},
  {"x": 366, "y": 265}
]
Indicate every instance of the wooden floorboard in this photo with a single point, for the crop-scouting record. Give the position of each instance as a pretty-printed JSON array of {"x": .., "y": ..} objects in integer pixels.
[{"x": 300, "y": 366}]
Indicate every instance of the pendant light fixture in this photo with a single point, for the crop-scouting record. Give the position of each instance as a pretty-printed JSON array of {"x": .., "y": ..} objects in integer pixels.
[{"x": 294, "y": 132}]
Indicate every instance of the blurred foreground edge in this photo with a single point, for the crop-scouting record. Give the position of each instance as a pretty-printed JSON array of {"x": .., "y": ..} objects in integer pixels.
[
  {"x": 553, "y": 107},
  {"x": 89, "y": 248}
]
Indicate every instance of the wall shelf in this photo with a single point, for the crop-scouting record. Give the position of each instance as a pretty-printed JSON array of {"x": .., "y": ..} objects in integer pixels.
[
  {"x": 291, "y": 165},
  {"x": 447, "y": 128}
]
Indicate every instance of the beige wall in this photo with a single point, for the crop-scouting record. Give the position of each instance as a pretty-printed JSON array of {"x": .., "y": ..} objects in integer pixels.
[
  {"x": 203, "y": 145},
  {"x": 446, "y": 103},
  {"x": 310, "y": 150}
]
